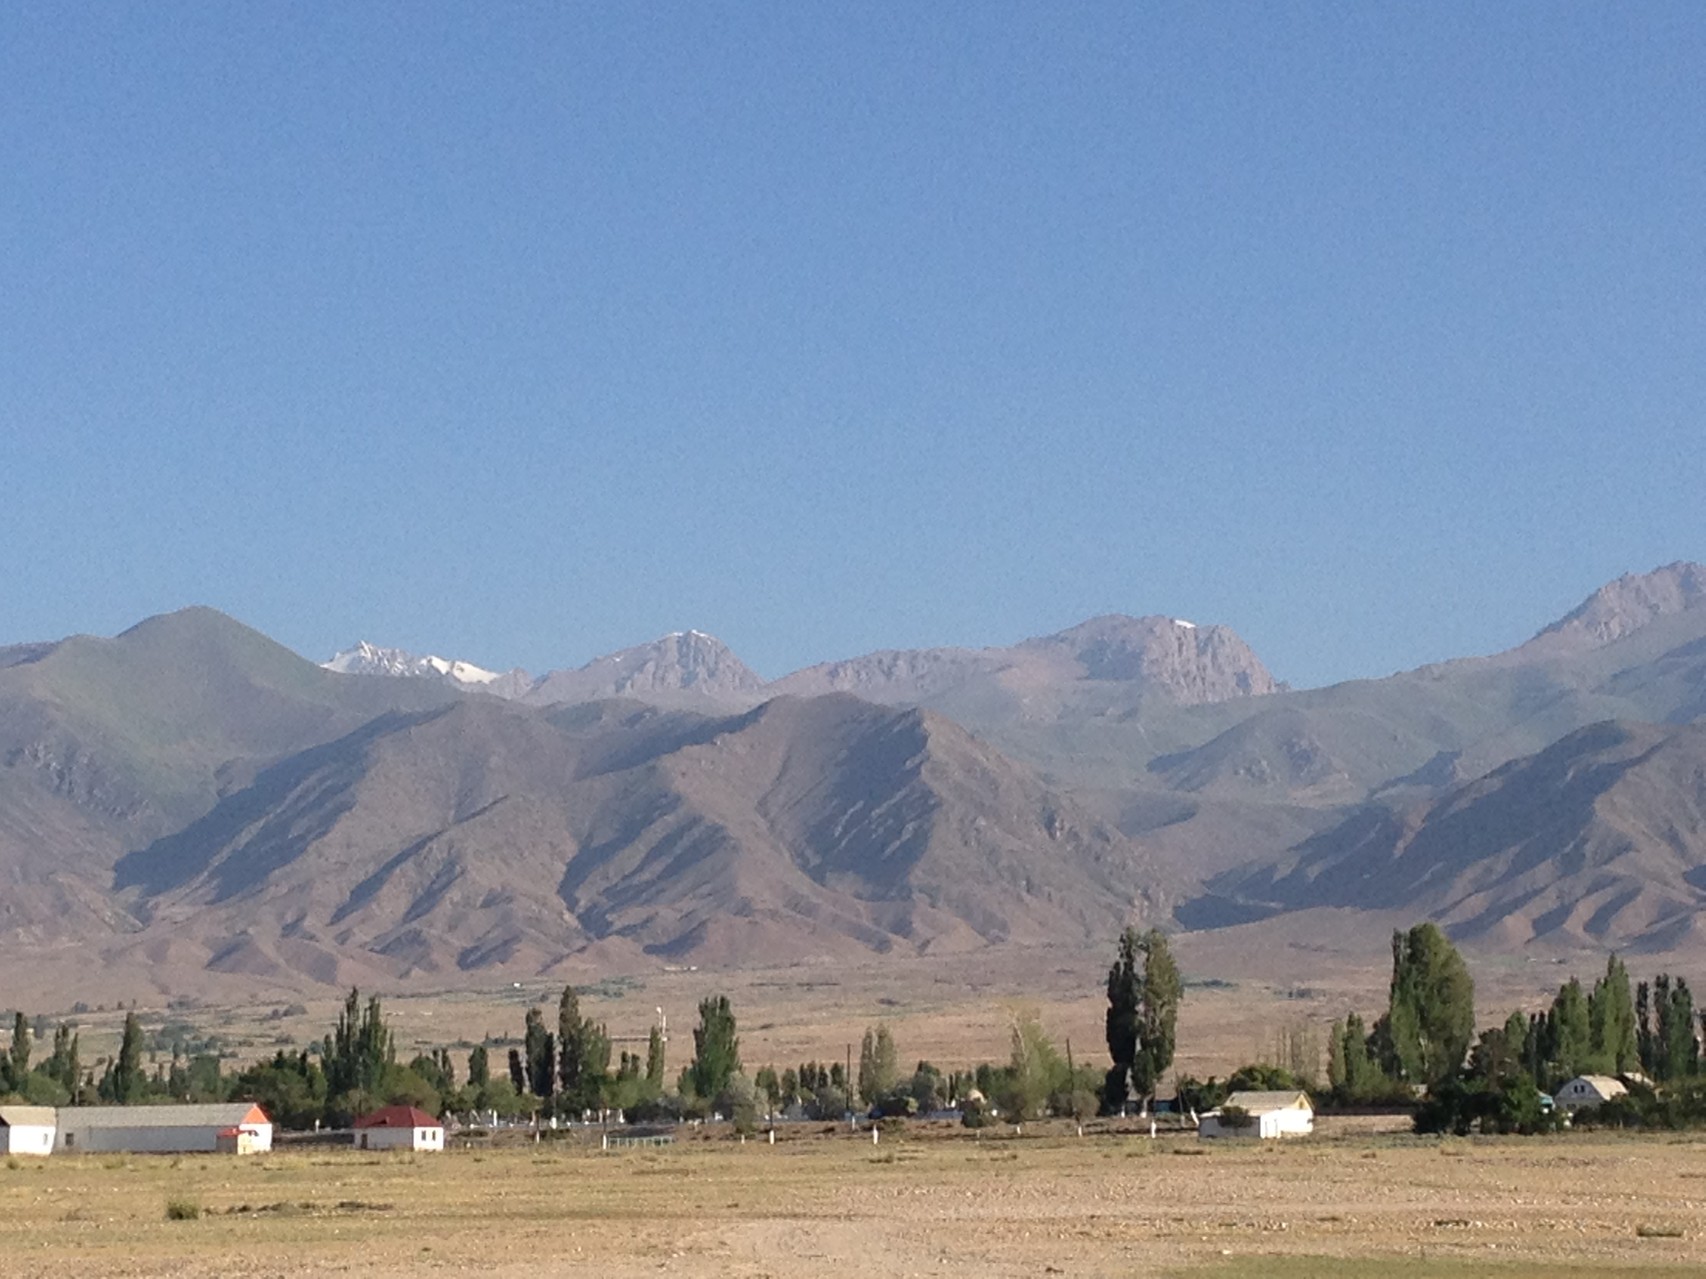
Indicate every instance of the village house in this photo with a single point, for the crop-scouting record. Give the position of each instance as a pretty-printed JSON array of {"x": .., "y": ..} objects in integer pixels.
[
  {"x": 1588, "y": 1090},
  {"x": 1260, "y": 1115},
  {"x": 26, "y": 1130},
  {"x": 165, "y": 1129},
  {"x": 399, "y": 1128}
]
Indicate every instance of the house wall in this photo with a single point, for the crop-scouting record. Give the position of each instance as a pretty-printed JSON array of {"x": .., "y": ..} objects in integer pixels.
[
  {"x": 26, "y": 1139},
  {"x": 1269, "y": 1124},
  {"x": 153, "y": 1139},
  {"x": 400, "y": 1139},
  {"x": 1287, "y": 1123}
]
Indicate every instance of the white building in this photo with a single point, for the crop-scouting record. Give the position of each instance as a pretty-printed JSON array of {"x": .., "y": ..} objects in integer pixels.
[
  {"x": 164, "y": 1129},
  {"x": 1264, "y": 1115},
  {"x": 26, "y": 1130},
  {"x": 1588, "y": 1090},
  {"x": 399, "y": 1128}
]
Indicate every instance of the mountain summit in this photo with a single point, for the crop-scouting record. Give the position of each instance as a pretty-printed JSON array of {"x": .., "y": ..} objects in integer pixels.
[
  {"x": 686, "y": 666},
  {"x": 1626, "y": 605},
  {"x": 371, "y": 659},
  {"x": 1111, "y": 657}
]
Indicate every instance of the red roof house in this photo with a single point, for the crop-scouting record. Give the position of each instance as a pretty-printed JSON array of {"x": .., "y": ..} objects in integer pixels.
[{"x": 399, "y": 1128}]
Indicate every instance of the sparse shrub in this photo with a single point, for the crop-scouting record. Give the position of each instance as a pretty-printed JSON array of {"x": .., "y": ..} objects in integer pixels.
[
  {"x": 1235, "y": 1117},
  {"x": 182, "y": 1209},
  {"x": 975, "y": 1112}
]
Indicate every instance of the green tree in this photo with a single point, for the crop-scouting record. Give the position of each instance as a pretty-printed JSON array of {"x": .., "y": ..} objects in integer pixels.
[
  {"x": 17, "y": 1065},
  {"x": 716, "y": 1050},
  {"x": 879, "y": 1069},
  {"x": 1431, "y": 1015},
  {"x": 479, "y": 1068},
  {"x": 540, "y": 1055},
  {"x": 1678, "y": 1052},
  {"x": 1144, "y": 990},
  {"x": 128, "y": 1081},
  {"x": 1612, "y": 1017},
  {"x": 655, "y": 1062},
  {"x": 291, "y": 1088},
  {"x": 356, "y": 1054},
  {"x": 584, "y": 1048},
  {"x": 1572, "y": 1031},
  {"x": 64, "y": 1066},
  {"x": 1035, "y": 1071},
  {"x": 1337, "y": 1071}
]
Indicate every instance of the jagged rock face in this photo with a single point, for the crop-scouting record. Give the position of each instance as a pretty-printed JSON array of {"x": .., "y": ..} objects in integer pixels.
[
  {"x": 1191, "y": 665},
  {"x": 687, "y": 663},
  {"x": 1151, "y": 656},
  {"x": 1622, "y": 607}
]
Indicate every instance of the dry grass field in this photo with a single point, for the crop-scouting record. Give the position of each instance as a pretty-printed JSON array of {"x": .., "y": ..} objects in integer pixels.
[{"x": 939, "y": 1202}]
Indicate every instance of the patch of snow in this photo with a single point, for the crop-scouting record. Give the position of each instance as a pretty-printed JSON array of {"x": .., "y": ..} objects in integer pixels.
[
  {"x": 1189, "y": 626},
  {"x": 371, "y": 659}
]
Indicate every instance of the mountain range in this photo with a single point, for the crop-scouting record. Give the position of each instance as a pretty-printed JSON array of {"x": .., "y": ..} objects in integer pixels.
[
  {"x": 192, "y": 797},
  {"x": 1157, "y": 656}
]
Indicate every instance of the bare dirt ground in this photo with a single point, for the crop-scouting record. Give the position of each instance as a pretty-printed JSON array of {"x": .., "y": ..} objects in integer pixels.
[
  {"x": 942, "y": 1202},
  {"x": 1245, "y": 988}
]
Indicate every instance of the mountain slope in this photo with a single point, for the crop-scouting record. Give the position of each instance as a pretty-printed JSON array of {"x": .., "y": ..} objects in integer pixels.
[
  {"x": 1635, "y": 649},
  {"x": 487, "y": 833},
  {"x": 1599, "y": 838},
  {"x": 106, "y": 744}
]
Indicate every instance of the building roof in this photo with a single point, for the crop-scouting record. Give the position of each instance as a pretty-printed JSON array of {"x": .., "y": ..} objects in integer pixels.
[
  {"x": 1257, "y": 1103},
  {"x": 398, "y": 1117},
  {"x": 1604, "y": 1085},
  {"x": 26, "y": 1116},
  {"x": 220, "y": 1115}
]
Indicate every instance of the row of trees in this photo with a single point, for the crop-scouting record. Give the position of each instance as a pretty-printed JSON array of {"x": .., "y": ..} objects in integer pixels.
[
  {"x": 567, "y": 1070},
  {"x": 1425, "y": 1043}
]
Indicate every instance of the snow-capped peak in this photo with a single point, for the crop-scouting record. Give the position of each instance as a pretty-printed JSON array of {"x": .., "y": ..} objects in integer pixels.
[
  {"x": 371, "y": 659},
  {"x": 1189, "y": 626}
]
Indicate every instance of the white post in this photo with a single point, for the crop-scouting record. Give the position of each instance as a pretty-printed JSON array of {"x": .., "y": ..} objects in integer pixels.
[
  {"x": 604, "y": 1143},
  {"x": 772, "y": 1136},
  {"x": 873, "y": 1134},
  {"x": 1152, "y": 1130}
]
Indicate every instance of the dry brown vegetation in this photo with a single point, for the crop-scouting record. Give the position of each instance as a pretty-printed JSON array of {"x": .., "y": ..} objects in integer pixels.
[{"x": 944, "y": 1202}]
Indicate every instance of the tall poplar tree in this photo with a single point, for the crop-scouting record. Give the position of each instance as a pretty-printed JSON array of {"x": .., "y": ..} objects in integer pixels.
[
  {"x": 128, "y": 1079},
  {"x": 716, "y": 1050},
  {"x": 1144, "y": 990},
  {"x": 1431, "y": 1015},
  {"x": 655, "y": 1063},
  {"x": 1612, "y": 1017},
  {"x": 584, "y": 1054}
]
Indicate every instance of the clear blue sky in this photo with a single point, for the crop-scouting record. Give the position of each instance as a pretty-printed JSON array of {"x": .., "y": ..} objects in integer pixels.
[{"x": 524, "y": 332}]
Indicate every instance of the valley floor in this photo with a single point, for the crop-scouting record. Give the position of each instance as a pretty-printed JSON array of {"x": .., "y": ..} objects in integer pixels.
[{"x": 943, "y": 1202}]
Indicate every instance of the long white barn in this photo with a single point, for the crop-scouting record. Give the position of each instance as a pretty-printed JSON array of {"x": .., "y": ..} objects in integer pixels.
[{"x": 243, "y": 1125}]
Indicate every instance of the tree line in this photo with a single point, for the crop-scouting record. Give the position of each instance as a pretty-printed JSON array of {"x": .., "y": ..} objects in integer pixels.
[
  {"x": 1425, "y": 1050},
  {"x": 564, "y": 1069}
]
